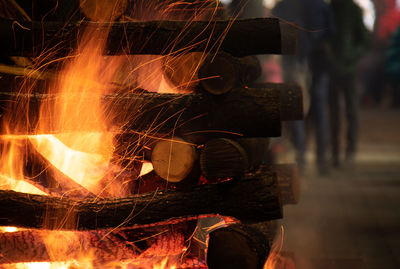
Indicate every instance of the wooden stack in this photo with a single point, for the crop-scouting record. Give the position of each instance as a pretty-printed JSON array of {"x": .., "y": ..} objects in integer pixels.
[{"x": 208, "y": 147}]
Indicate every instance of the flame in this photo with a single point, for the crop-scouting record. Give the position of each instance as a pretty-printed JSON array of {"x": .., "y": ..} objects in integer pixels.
[
  {"x": 11, "y": 168},
  {"x": 49, "y": 265},
  {"x": 82, "y": 146},
  {"x": 85, "y": 168},
  {"x": 163, "y": 264},
  {"x": 8, "y": 229},
  {"x": 147, "y": 167},
  {"x": 276, "y": 260}
]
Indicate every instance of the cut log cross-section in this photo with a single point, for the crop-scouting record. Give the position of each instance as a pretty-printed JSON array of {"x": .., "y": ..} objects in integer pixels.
[
  {"x": 222, "y": 157},
  {"x": 174, "y": 159},
  {"x": 237, "y": 246},
  {"x": 216, "y": 74},
  {"x": 229, "y": 198},
  {"x": 221, "y": 73}
]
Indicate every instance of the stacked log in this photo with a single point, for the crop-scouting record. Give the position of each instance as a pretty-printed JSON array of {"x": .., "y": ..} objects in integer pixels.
[
  {"x": 245, "y": 37},
  {"x": 248, "y": 112},
  {"x": 208, "y": 145}
]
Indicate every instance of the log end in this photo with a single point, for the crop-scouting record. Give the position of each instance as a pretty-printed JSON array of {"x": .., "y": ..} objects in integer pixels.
[
  {"x": 182, "y": 70},
  {"x": 173, "y": 159},
  {"x": 237, "y": 246},
  {"x": 218, "y": 75},
  {"x": 222, "y": 158}
]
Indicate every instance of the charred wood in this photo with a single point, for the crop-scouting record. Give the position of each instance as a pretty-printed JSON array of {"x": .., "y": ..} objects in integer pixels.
[
  {"x": 291, "y": 99},
  {"x": 103, "y": 246},
  {"x": 231, "y": 198},
  {"x": 30, "y": 246},
  {"x": 216, "y": 74},
  {"x": 223, "y": 157},
  {"x": 221, "y": 73},
  {"x": 237, "y": 246},
  {"x": 249, "y": 112},
  {"x": 237, "y": 37}
]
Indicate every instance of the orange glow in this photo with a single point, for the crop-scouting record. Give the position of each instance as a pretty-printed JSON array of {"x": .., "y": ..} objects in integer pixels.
[
  {"x": 80, "y": 145},
  {"x": 82, "y": 148},
  {"x": 8, "y": 229},
  {"x": 47, "y": 265},
  {"x": 147, "y": 167},
  {"x": 87, "y": 169},
  {"x": 163, "y": 264},
  {"x": 276, "y": 260},
  {"x": 11, "y": 168}
]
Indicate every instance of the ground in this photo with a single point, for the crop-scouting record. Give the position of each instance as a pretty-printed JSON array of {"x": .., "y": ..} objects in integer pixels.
[{"x": 351, "y": 218}]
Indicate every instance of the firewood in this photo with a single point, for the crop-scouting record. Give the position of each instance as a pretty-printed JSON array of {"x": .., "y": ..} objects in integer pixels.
[
  {"x": 30, "y": 246},
  {"x": 249, "y": 112},
  {"x": 225, "y": 158},
  {"x": 221, "y": 73},
  {"x": 237, "y": 246},
  {"x": 104, "y": 246},
  {"x": 222, "y": 157},
  {"x": 270, "y": 229},
  {"x": 289, "y": 182},
  {"x": 291, "y": 99},
  {"x": 237, "y": 37},
  {"x": 255, "y": 198},
  {"x": 182, "y": 70},
  {"x": 216, "y": 74},
  {"x": 173, "y": 160}
]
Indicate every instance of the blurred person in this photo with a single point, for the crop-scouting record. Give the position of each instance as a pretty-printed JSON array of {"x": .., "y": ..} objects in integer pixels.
[
  {"x": 348, "y": 45},
  {"x": 393, "y": 67},
  {"x": 373, "y": 77},
  {"x": 316, "y": 24}
]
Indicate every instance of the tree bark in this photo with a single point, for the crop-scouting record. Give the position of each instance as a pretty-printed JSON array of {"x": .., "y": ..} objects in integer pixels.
[
  {"x": 291, "y": 99},
  {"x": 237, "y": 37},
  {"x": 248, "y": 112},
  {"x": 255, "y": 198}
]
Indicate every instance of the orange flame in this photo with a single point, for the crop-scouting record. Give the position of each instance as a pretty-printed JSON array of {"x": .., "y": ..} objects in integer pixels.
[
  {"x": 276, "y": 260},
  {"x": 83, "y": 147}
]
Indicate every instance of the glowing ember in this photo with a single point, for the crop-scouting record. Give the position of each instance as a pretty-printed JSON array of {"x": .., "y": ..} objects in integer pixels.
[{"x": 8, "y": 229}]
